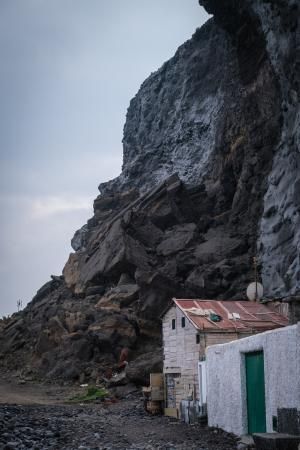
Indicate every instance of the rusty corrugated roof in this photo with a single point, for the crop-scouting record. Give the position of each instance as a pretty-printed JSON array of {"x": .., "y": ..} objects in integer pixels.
[{"x": 242, "y": 316}]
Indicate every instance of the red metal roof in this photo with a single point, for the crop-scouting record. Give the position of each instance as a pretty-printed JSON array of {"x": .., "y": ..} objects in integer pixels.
[{"x": 249, "y": 316}]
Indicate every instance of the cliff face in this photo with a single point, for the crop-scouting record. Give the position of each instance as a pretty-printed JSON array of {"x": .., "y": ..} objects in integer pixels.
[
  {"x": 210, "y": 178},
  {"x": 274, "y": 24},
  {"x": 225, "y": 112},
  {"x": 172, "y": 122}
]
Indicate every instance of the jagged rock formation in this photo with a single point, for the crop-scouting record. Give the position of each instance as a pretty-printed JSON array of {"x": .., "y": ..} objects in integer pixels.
[
  {"x": 63, "y": 336},
  {"x": 210, "y": 177},
  {"x": 271, "y": 29}
]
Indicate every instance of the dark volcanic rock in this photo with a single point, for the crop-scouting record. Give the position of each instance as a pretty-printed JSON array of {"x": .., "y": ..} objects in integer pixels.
[
  {"x": 264, "y": 31},
  {"x": 210, "y": 178},
  {"x": 149, "y": 362},
  {"x": 120, "y": 426}
]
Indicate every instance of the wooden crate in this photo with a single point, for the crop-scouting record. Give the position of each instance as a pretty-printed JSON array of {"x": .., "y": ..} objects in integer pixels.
[
  {"x": 154, "y": 407},
  {"x": 157, "y": 393},
  {"x": 171, "y": 412},
  {"x": 156, "y": 379}
]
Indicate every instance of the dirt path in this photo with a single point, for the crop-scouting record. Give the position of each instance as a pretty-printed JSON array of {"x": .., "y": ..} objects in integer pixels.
[
  {"x": 36, "y": 417},
  {"x": 32, "y": 393}
]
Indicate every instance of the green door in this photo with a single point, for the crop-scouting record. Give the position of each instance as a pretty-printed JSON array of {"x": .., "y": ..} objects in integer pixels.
[{"x": 255, "y": 383}]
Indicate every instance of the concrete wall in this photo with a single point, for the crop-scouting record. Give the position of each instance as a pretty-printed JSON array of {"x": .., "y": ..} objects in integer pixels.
[{"x": 226, "y": 378}]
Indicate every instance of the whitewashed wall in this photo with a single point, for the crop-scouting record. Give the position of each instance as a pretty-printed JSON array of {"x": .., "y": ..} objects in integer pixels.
[{"x": 226, "y": 380}]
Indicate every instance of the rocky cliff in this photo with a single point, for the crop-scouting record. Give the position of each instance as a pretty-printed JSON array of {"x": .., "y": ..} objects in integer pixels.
[{"x": 210, "y": 179}]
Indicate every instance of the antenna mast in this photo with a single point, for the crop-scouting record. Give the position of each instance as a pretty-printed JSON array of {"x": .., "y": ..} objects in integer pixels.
[{"x": 255, "y": 275}]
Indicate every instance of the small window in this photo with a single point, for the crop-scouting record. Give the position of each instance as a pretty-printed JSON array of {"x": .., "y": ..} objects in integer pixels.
[
  {"x": 173, "y": 324},
  {"x": 275, "y": 423},
  {"x": 197, "y": 338},
  {"x": 183, "y": 322}
]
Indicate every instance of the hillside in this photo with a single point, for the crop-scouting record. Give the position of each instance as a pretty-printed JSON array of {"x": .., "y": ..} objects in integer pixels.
[{"x": 210, "y": 178}]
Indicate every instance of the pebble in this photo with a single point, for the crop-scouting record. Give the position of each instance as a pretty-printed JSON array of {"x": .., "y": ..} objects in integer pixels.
[
  {"x": 124, "y": 426},
  {"x": 242, "y": 446}
]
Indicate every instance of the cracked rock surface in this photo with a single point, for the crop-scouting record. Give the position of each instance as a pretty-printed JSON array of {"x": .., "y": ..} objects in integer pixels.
[{"x": 210, "y": 178}]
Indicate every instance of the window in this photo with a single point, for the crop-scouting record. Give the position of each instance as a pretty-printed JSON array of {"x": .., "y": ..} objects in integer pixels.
[
  {"x": 183, "y": 322},
  {"x": 173, "y": 324},
  {"x": 197, "y": 338}
]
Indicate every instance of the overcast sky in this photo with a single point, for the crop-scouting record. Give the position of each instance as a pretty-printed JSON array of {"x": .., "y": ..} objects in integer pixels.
[{"x": 68, "y": 71}]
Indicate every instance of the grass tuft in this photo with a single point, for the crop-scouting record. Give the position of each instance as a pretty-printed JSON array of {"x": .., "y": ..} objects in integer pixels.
[{"x": 93, "y": 393}]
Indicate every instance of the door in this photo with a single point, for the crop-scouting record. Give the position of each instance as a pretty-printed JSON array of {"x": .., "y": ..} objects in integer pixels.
[
  {"x": 171, "y": 389},
  {"x": 255, "y": 387},
  {"x": 202, "y": 382},
  {"x": 170, "y": 392}
]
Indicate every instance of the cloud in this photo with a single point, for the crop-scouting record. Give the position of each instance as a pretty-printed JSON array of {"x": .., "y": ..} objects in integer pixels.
[
  {"x": 36, "y": 231},
  {"x": 45, "y": 207},
  {"x": 69, "y": 69}
]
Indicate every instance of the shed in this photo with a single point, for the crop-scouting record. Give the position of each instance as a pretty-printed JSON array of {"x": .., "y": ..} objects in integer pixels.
[{"x": 189, "y": 327}]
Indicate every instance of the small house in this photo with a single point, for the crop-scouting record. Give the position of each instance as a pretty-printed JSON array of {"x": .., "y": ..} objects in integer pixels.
[
  {"x": 189, "y": 327},
  {"x": 253, "y": 385}
]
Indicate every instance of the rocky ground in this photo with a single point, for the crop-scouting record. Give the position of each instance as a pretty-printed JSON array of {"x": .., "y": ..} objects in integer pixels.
[{"x": 121, "y": 425}]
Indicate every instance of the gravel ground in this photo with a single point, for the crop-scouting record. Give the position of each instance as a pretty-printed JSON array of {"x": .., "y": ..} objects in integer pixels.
[{"x": 120, "y": 426}]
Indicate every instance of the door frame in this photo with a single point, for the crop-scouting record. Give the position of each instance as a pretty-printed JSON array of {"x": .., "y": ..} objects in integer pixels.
[
  {"x": 173, "y": 410},
  {"x": 202, "y": 383},
  {"x": 244, "y": 387}
]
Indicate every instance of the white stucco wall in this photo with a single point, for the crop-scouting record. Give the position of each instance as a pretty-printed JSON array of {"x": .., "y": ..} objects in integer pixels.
[{"x": 226, "y": 379}]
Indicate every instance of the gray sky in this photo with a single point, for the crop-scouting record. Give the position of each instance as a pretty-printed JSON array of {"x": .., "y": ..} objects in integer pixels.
[{"x": 68, "y": 71}]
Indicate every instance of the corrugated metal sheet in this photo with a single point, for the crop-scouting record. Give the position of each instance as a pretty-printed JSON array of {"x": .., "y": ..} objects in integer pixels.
[{"x": 253, "y": 316}]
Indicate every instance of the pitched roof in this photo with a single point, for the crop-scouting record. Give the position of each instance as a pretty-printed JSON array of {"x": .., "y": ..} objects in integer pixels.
[{"x": 241, "y": 316}]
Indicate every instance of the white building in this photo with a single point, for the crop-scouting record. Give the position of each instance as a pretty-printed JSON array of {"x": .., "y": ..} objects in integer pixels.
[
  {"x": 189, "y": 327},
  {"x": 253, "y": 385}
]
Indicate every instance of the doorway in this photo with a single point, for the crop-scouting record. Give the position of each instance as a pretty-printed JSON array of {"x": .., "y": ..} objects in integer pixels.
[
  {"x": 171, "y": 389},
  {"x": 255, "y": 388}
]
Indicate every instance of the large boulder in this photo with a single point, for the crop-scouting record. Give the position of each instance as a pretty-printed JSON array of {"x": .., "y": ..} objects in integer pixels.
[{"x": 139, "y": 371}]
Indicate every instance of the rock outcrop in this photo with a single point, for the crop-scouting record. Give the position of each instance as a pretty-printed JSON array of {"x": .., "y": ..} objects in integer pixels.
[
  {"x": 261, "y": 30},
  {"x": 210, "y": 179}
]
